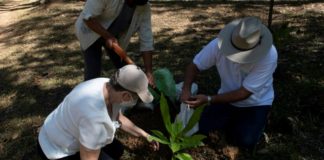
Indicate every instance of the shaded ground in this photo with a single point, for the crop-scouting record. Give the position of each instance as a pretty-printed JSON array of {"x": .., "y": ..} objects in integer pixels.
[{"x": 40, "y": 62}]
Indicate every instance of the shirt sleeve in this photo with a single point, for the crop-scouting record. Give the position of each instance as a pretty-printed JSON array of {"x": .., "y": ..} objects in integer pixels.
[
  {"x": 95, "y": 133},
  {"x": 206, "y": 58},
  {"x": 93, "y": 8},
  {"x": 145, "y": 31},
  {"x": 261, "y": 74}
]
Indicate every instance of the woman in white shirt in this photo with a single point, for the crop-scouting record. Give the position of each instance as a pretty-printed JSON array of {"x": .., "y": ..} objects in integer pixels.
[{"x": 84, "y": 124}]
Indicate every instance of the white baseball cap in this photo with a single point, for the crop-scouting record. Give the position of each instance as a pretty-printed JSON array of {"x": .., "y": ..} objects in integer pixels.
[{"x": 132, "y": 78}]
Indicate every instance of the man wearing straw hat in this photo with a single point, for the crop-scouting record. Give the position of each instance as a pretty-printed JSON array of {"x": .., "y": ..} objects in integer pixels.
[{"x": 245, "y": 59}]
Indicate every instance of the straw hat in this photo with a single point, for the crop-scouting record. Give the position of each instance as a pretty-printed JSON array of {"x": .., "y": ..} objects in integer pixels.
[{"x": 245, "y": 40}]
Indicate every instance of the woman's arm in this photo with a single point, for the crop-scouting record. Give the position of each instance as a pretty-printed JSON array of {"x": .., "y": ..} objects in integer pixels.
[
  {"x": 87, "y": 154},
  {"x": 128, "y": 126}
]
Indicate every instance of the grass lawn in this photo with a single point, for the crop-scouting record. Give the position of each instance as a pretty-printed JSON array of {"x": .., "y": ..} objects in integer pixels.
[{"x": 41, "y": 61}]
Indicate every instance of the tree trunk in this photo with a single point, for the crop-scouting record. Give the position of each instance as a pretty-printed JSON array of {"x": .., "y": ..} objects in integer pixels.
[{"x": 270, "y": 13}]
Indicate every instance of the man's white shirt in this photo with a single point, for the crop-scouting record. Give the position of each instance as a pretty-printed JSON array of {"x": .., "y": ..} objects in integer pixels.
[{"x": 256, "y": 77}]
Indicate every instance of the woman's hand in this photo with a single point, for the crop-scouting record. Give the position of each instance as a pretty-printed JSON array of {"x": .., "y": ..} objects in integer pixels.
[
  {"x": 154, "y": 145},
  {"x": 130, "y": 127}
]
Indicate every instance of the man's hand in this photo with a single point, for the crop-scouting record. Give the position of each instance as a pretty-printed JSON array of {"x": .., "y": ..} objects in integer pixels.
[
  {"x": 110, "y": 40},
  {"x": 185, "y": 95},
  {"x": 150, "y": 79},
  {"x": 147, "y": 59},
  {"x": 197, "y": 100},
  {"x": 93, "y": 24}
]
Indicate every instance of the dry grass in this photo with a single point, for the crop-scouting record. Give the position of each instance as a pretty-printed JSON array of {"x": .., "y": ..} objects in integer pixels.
[{"x": 40, "y": 62}]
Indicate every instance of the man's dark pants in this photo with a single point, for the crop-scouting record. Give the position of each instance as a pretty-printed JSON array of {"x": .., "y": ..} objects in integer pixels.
[
  {"x": 92, "y": 59},
  {"x": 243, "y": 126}
]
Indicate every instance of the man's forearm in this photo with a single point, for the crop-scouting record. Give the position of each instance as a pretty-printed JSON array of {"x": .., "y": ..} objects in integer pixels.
[
  {"x": 230, "y": 97},
  {"x": 190, "y": 74},
  {"x": 147, "y": 59},
  {"x": 94, "y": 25}
]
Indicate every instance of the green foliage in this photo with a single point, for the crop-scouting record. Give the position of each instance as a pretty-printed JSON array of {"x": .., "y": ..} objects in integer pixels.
[
  {"x": 177, "y": 141},
  {"x": 183, "y": 156}
]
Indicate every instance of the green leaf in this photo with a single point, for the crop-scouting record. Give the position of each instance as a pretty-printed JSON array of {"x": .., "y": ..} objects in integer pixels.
[
  {"x": 192, "y": 141},
  {"x": 193, "y": 119},
  {"x": 151, "y": 138},
  {"x": 183, "y": 156},
  {"x": 165, "y": 113},
  {"x": 159, "y": 135},
  {"x": 176, "y": 129},
  {"x": 177, "y": 140},
  {"x": 175, "y": 147}
]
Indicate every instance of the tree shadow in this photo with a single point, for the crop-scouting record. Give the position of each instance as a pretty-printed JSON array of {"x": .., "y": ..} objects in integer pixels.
[
  {"x": 43, "y": 64},
  {"x": 14, "y": 7},
  {"x": 299, "y": 73},
  {"x": 299, "y": 77}
]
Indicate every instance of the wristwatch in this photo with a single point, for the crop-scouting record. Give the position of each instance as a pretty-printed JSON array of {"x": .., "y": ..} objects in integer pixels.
[{"x": 208, "y": 100}]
